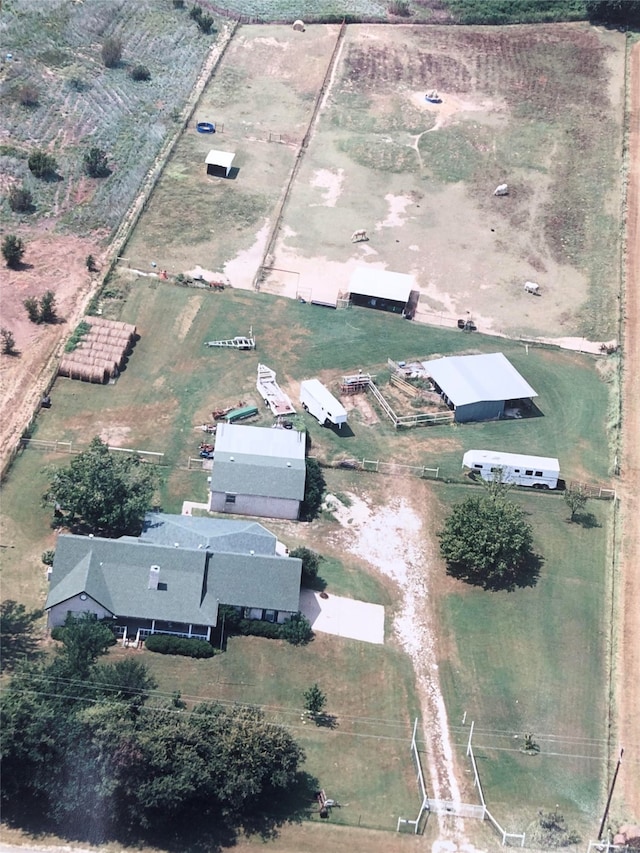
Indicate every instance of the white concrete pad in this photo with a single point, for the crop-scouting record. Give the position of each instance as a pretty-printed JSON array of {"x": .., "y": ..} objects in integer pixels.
[{"x": 343, "y": 617}]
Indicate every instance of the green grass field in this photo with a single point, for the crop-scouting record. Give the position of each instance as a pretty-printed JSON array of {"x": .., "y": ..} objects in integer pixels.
[{"x": 533, "y": 661}]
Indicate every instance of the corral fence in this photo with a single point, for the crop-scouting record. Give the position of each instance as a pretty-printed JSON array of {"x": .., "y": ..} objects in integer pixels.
[
  {"x": 592, "y": 491},
  {"x": 364, "y": 382},
  {"x": 198, "y": 463},
  {"x": 55, "y": 446},
  {"x": 399, "y": 468}
]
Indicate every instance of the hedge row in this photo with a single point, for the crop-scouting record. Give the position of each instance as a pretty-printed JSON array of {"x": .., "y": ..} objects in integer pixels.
[{"x": 165, "y": 644}]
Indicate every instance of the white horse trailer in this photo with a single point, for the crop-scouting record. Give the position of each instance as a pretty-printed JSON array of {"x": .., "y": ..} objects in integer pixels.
[
  {"x": 540, "y": 472},
  {"x": 317, "y": 400}
]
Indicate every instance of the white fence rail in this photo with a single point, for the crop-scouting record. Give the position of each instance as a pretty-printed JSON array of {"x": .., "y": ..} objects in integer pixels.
[{"x": 55, "y": 446}]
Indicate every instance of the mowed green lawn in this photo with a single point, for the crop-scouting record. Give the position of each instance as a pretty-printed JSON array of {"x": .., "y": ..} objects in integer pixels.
[{"x": 532, "y": 661}]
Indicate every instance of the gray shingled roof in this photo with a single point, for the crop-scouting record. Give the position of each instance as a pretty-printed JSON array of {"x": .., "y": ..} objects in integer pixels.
[
  {"x": 216, "y": 534},
  {"x": 192, "y": 580},
  {"x": 258, "y": 461}
]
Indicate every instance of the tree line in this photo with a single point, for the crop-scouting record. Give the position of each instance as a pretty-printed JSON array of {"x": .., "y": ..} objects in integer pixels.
[{"x": 90, "y": 752}]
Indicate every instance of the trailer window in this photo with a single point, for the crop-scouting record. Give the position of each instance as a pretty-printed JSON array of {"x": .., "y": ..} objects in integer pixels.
[
  {"x": 538, "y": 473},
  {"x": 495, "y": 470},
  {"x": 478, "y": 466},
  {"x": 529, "y": 473},
  {"x": 516, "y": 470}
]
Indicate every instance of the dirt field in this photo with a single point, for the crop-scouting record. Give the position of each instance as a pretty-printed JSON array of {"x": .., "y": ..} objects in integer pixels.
[
  {"x": 628, "y": 670},
  {"x": 52, "y": 262}
]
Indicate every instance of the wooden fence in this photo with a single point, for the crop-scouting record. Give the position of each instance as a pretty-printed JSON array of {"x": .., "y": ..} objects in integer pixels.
[{"x": 55, "y": 446}]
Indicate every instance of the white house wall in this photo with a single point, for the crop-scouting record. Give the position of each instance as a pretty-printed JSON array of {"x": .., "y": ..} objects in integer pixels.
[
  {"x": 262, "y": 507},
  {"x": 77, "y": 606}
]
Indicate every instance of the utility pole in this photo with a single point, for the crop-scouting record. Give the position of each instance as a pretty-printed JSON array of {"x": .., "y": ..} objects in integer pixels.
[{"x": 613, "y": 784}]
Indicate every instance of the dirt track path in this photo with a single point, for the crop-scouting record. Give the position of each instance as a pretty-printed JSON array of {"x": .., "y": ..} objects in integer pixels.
[{"x": 628, "y": 662}]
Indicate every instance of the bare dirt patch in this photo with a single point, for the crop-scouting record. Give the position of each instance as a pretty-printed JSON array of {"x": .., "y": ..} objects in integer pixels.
[
  {"x": 393, "y": 540},
  {"x": 54, "y": 263},
  {"x": 628, "y": 632}
]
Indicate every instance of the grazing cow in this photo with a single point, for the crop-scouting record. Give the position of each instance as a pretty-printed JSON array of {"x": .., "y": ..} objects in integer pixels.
[{"x": 357, "y": 236}]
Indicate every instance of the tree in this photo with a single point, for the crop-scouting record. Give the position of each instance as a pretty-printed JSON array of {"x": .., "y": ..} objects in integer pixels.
[
  {"x": 310, "y": 564},
  {"x": 84, "y": 640},
  {"x": 41, "y": 164},
  {"x": 111, "y": 51},
  {"x": 17, "y": 633},
  {"x": 314, "y": 701},
  {"x": 8, "y": 342},
  {"x": 29, "y": 95},
  {"x": 13, "y": 250},
  {"x": 48, "y": 307},
  {"x": 297, "y": 630},
  {"x": 100, "y": 491},
  {"x": 95, "y": 163},
  {"x": 576, "y": 499},
  {"x": 33, "y": 309},
  {"x": 551, "y": 831},
  {"x": 314, "y": 488},
  {"x": 127, "y": 681},
  {"x": 20, "y": 200},
  {"x": 487, "y": 542},
  {"x": 619, "y": 12},
  {"x": 90, "y": 263},
  {"x": 42, "y": 311},
  {"x": 140, "y": 73}
]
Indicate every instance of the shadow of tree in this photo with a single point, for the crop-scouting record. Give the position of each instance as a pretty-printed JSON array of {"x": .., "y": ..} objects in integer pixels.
[{"x": 586, "y": 519}]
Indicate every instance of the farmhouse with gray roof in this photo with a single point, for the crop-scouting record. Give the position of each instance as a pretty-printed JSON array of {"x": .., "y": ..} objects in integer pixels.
[
  {"x": 478, "y": 387},
  {"x": 174, "y": 577},
  {"x": 258, "y": 471}
]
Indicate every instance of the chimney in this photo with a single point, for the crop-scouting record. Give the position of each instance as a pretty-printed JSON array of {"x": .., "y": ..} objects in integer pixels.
[{"x": 154, "y": 577}]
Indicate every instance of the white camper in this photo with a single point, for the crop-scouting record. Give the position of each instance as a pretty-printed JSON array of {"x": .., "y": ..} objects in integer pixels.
[
  {"x": 317, "y": 400},
  {"x": 540, "y": 472}
]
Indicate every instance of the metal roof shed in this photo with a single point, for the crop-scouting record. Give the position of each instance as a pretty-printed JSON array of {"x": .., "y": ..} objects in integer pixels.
[
  {"x": 478, "y": 386},
  {"x": 382, "y": 289},
  {"x": 219, "y": 160}
]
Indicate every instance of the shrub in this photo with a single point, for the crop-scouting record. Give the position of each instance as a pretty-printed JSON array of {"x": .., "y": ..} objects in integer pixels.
[
  {"x": 41, "y": 164},
  {"x": 297, "y": 630},
  {"x": 111, "y": 51},
  {"x": 33, "y": 309},
  {"x": 310, "y": 564},
  {"x": 400, "y": 8},
  {"x": 77, "y": 335},
  {"x": 57, "y": 633},
  {"x": 48, "y": 307},
  {"x": 12, "y": 250},
  {"x": 257, "y": 628},
  {"x": 204, "y": 21},
  {"x": 90, "y": 263},
  {"x": 8, "y": 342},
  {"x": 165, "y": 644},
  {"x": 178, "y": 4},
  {"x": 20, "y": 200},
  {"x": 47, "y": 557},
  {"x": 140, "y": 73},
  {"x": 314, "y": 488},
  {"x": 29, "y": 95},
  {"x": 95, "y": 163}
]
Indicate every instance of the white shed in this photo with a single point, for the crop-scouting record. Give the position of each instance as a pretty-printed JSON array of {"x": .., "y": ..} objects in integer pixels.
[{"x": 219, "y": 160}]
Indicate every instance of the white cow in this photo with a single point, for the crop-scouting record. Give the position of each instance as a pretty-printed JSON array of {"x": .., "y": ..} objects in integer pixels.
[
  {"x": 357, "y": 236},
  {"x": 503, "y": 189},
  {"x": 532, "y": 287}
]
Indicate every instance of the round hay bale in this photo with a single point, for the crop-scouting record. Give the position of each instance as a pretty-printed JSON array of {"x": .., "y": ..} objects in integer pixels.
[{"x": 298, "y": 26}]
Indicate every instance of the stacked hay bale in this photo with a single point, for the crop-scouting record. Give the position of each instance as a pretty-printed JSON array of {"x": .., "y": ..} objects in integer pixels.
[{"x": 101, "y": 353}]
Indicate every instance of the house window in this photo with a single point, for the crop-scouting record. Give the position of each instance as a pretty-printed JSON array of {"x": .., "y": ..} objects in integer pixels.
[
  {"x": 270, "y": 615},
  {"x": 229, "y": 499},
  {"x": 529, "y": 473}
]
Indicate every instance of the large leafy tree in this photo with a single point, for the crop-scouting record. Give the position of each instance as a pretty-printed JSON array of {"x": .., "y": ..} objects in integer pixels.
[
  {"x": 619, "y": 12},
  {"x": 486, "y": 541},
  {"x": 18, "y": 640},
  {"x": 104, "y": 492}
]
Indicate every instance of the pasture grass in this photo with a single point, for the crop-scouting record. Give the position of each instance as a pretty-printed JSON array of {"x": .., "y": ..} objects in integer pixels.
[
  {"x": 533, "y": 661},
  {"x": 363, "y": 760}
]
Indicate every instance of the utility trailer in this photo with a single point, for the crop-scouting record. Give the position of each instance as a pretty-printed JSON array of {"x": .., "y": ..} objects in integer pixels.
[
  {"x": 539, "y": 472},
  {"x": 318, "y": 401}
]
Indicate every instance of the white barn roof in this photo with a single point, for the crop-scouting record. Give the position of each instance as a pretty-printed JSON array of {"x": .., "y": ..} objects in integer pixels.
[
  {"x": 224, "y": 159},
  {"x": 382, "y": 284},
  {"x": 469, "y": 379}
]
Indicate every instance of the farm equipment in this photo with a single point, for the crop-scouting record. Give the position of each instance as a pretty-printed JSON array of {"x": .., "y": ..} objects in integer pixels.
[
  {"x": 235, "y": 343},
  {"x": 206, "y": 451},
  {"x": 433, "y": 97},
  {"x": 219, "y": 414},
  {"x": 467, "y": 325}
]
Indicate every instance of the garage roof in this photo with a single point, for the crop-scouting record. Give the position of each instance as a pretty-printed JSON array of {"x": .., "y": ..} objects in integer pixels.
[
  {"x": 382, "y": 284},
  {"x": 469, "y": 379}
]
